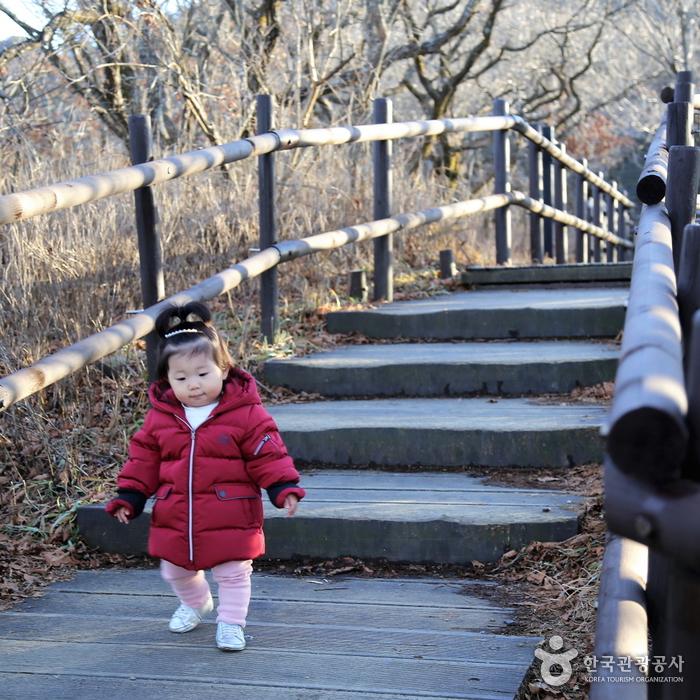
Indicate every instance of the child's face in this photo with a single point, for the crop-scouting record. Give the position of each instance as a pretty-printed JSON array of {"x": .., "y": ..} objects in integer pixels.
[{"x": 195, "y": 379}]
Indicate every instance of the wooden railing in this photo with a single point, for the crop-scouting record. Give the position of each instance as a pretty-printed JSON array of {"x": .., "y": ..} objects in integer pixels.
[
  {"x": 546, "y": 201},
  {"x": 651, "y": 581}
]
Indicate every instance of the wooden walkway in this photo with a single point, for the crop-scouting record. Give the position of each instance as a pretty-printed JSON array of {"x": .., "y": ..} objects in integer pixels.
[{"x": 104, "y": 634}]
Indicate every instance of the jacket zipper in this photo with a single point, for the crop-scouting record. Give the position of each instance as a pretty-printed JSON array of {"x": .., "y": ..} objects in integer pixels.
[
  {"x": 191, "y": 496},
  {"x": 190, "y": 481}
]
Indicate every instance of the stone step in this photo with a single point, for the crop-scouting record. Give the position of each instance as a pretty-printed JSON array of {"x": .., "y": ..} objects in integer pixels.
[
  {"x": 490, "y": 314},
  {"x": 444, "y": 369},
  {"x": 442, "y": 432},
  {"x": 343, "y": 639},
  {"x": 426, "y": 517},
  {"x": 581, "y": 273}
]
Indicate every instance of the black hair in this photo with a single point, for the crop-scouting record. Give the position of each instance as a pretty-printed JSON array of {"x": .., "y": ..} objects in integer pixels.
[{"x": 188, "y": 329}]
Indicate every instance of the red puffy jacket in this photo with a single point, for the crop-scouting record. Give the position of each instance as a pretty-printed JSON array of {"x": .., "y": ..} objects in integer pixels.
[{"x": 206, "y": 482}]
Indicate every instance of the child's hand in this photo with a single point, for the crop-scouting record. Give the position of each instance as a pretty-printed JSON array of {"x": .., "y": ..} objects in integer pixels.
[
  {"x": 122, "y": 515},
  {"x": 290, "y": 503}
]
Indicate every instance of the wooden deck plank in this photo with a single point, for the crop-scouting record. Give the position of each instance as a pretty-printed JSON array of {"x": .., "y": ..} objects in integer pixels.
[
  {"x": 67, "y": 687},
  {"x": 465, "y": 647},
  {"x": 281, "y": 669},
  {"x": 288, "y": 612},
  {"x": 452, "y": 593},
  {"x": 105, "y": 634}
]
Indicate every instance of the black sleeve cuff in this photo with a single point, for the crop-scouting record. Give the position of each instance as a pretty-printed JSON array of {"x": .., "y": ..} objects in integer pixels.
[
  {"x": 276, "y": 489},
  {"x": 135, "y": 499}
]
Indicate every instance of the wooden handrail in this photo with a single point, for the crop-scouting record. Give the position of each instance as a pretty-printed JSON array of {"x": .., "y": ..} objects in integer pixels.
[
  {"x": 42, "y": 200},
  {"x": 651, "y": 185},
  {"x": 536, "y": 206},
  {"x": 621, "y": 625},
  {"x": 50, "y": 369},
  {"x": 650, "y": 397},
  {"x": 20, "y": 206},
  {"x": 522, "y": 127}
]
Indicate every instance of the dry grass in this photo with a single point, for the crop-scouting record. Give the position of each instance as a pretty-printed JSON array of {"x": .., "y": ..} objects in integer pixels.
[{"x": 85, "y": 260}]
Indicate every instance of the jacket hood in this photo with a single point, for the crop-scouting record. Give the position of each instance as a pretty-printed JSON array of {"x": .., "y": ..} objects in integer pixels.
[{"x": 239, "y": 389}]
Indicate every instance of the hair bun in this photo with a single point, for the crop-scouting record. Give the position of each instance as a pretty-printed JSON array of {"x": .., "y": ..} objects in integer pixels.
[
  {"x": 190, "y": 314},
  {"x": 195, "y": 312}
]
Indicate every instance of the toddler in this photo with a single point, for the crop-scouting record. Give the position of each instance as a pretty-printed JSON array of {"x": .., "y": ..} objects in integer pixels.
[{"x": 205, "y": 449}]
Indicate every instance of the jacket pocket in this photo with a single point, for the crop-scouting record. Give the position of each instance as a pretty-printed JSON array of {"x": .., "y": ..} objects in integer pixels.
[
  {"x": 242, "y": 503},
  {"x": 159, "y": 496},
  {"x": 163, "y": 492}
]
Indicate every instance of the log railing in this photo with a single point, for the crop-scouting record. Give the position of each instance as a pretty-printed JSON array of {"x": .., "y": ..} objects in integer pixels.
[
  {"x": 652, "y": 469},
  {"x": 544, "y": 205}
]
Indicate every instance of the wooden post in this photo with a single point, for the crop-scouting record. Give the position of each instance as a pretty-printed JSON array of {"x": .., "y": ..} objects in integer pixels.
[
  {"x": 612, "y": 225},
  {"x": 681, "y": 629},
  {"x": 501, "y": 164},
  {"x": 547, "y": 192},
  {"x": 581, "y": 206},
  {"x": 689, "y": 281},
  {"x": 684, "y": 90},
  {"x": 269, "y": 313},
  {"x": 597, "y": 219},
  {"x": 677, "y": 600},
  {"x": 657, "y": 591},
  {"x": 561, "y": 243},
  {"x": 681, "y": 193},
  {"x": 679, "y": 124},
  {"x": 383, "y": 247},
  {"x": 692, "y": 358},
  {"x": 448, "y": 269},
  {"x": 535, "y": 173},
  {"x": 625, "y": 253},
  {"x": 150, "y": 247},
  {"x": 358, "y": 285}
]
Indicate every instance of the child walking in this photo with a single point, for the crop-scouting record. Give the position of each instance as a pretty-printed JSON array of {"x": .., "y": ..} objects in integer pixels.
[{"x": 206, "y": 448}]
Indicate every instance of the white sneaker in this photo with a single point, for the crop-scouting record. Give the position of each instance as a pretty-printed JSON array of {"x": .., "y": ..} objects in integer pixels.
[
  {"x": 186, "y": 618},
  {"x": 229, "y": 637}
]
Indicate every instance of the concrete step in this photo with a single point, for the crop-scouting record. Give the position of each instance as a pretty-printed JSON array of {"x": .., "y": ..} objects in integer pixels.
[
  {"x": 443, "y": 369},
  {"x": 486, "y": 314},
  {"x": 343, "y": 639},
  {"x": 426, "y": 517},
  {"x": 579, "y": 273},
  {"x": 442, "y": 432}
]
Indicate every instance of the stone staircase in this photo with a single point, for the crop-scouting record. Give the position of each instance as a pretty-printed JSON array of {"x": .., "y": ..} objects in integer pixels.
[
  {"x": 385, "y": 458},
  {"x": 439, "y": 424}
]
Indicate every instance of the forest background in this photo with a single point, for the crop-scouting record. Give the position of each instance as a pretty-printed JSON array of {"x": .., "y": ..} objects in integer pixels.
[{"x": 74, "y": 72}]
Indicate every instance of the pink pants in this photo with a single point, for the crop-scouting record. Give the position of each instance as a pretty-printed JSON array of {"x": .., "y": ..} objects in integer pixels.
[{"x": 233, "y": 578}]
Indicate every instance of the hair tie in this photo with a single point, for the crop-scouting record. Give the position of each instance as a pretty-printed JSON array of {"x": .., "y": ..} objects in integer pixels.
[{"x": 181, "y": 330}]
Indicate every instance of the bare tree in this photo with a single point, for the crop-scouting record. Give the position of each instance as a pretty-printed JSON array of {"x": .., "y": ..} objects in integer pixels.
[
  {"x": 196, "y": 66},
  {"x": 664, "y": 34},
  {"x": 119, "y": 59}
]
